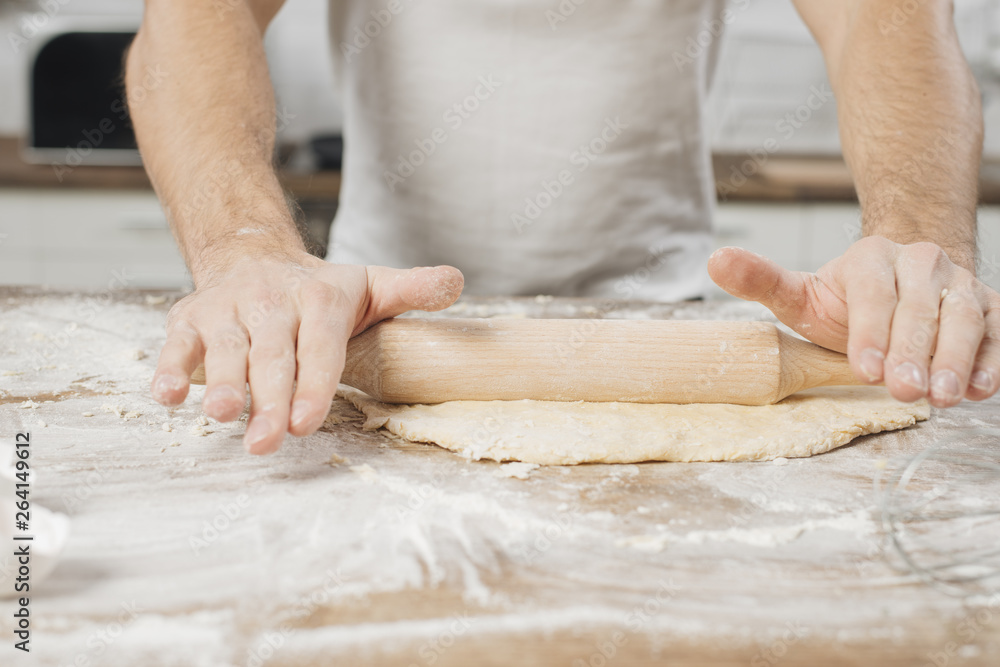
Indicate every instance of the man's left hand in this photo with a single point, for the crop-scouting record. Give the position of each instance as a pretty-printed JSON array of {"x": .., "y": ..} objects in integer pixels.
[{"x": 905, "y": 314}]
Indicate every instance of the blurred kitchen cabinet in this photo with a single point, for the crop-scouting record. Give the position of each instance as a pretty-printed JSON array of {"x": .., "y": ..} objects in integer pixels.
[
  {"x": 831, "y": 229},
  {"x": 775, "y": 231},
  {"x": 805, "y": 236},
  {"x": 989, "y": 246},
  {"x": 87, "y": 240},
  {"x": 84, "y": 239}
]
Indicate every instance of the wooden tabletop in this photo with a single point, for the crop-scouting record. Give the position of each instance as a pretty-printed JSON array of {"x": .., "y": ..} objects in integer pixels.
[{"x": 353, "y": 548}]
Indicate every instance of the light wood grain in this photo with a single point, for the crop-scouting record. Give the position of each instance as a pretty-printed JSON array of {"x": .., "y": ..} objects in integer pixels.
[{"x": 642, "y": 361}]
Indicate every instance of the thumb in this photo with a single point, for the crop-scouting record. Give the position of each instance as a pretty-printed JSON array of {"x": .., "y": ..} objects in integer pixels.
[
  {"x": 392, "y": 292},
  {"x": 747, "y": 275}
]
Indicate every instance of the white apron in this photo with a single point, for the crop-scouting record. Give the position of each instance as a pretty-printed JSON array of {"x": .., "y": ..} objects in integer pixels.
[{"x": 542, "y": 147}]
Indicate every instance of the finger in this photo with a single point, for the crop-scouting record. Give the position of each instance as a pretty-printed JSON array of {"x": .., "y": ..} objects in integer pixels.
[
  {"x": 181, "y": 354},
  {"x": 960, "y": 331},
  {"x": 271, "y": 373},
  {"x": 985, "y": 378},
  {"x": 747, "y": 275},
  {"x": 392, "y": 292},
  {"x": 326, "y": 325},
  {"x": 871, "y": 301},
  {"x": 920, "y": 277},
  {"x": 226, "y": 373}
]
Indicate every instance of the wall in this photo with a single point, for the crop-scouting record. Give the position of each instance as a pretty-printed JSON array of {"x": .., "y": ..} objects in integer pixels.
[{"x": 769, "y": 62}]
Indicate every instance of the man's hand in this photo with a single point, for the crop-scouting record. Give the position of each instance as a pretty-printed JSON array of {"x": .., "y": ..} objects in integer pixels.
[
  {"x": 283, "y": 326},
  {"x": 905, "y": 315}
]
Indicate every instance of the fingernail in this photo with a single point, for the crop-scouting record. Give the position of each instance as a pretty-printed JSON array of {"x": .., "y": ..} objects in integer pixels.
[
  {"x": 982, "y": 380},
  {"x": 221, "y": 394},
  {"x": 258, "y": 429},
  {"x": 909, "y": 374},
  {"x": 871, "y": 363},
  {"x": 165, "y": 384},
  {"x": 944, "y": 386},
  {"x": 300, "y": 411}
]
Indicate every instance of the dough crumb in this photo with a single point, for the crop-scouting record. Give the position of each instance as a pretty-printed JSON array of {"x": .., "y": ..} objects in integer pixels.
[
  {"x": 29, "y": 405},
  {"x": 202, "y": 420},
  {"x": 88, "y": 414},
  {"x": 647, "y": 543},
  {"x": 544, "y": 298},
  {"x": 175, "y": 444},
  {"x": 167, "y": 427},
  {"x": 642, "y": 509},
  {"x": 42, "y": 424},
  {"x": 780, "y": 461},
  {"x": 365, "y": 472},
  {"x": 200, "y": 431},
  {"x": 158, "y": 300},
  {"x": 516, "y": 470},
  {"x": 336, "y": 460},
  {"x": 134, "y": 414},
  {"x": 115, "y": 409},
  {"x": 135, "y": 354}
]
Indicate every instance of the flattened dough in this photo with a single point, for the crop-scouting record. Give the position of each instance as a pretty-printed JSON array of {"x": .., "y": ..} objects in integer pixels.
[{"x": 549, "y": 433}]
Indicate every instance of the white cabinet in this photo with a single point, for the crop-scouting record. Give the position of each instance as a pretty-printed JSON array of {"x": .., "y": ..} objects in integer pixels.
[
  {"x": 86, "y": 240},
  {"x": 804, "y": 237}
]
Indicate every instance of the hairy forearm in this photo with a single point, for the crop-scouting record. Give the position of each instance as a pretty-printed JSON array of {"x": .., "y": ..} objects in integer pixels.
[
  {"x": 911, "y": 124},
  {"x": 207, "y": 132}
]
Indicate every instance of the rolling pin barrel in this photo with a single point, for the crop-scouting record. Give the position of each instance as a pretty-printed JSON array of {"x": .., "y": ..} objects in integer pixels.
[{"x": 650, "y": 361}]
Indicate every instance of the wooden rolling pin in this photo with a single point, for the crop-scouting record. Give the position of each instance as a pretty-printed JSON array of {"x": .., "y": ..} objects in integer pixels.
[{"x": 637, "y": 361}]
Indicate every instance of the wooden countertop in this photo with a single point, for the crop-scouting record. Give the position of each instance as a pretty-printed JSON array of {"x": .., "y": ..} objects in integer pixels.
[
  {"x": 349, "y": 547},
  {"x": 780, "y": 178}
]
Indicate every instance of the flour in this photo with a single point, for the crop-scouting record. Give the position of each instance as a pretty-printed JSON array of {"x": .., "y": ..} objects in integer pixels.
[
  {"x": 516, "y": 470},
  {"x": 421, "y": 539},
  {"x": 859, "y": 523},
  {"x": 49, "y": 530}
]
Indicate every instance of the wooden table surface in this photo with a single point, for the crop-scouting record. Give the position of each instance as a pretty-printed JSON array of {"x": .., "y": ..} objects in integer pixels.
[{"x": 349, "y": 547}]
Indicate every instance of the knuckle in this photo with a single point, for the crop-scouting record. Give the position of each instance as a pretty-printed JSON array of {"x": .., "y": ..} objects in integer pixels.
[
  {"x": 274, "y": 365},
  {"x": 870, "y": 244},
  {"x": 927, "y": 256},
  {"x": 922, "y": 315},
  {"x": 267, "y": 297},
  {"x": 181, "y": 327},
  {"x": 963, "y": 306},
  {"x": 271, "y": 352},
  {"x": 263, "y": 304},
  {"x": 321, "y": 295},
  {"x": 229, "y": 339}
]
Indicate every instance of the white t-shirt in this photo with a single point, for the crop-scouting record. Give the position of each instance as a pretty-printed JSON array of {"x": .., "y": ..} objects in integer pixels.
[{"x": 541, "y": 146}]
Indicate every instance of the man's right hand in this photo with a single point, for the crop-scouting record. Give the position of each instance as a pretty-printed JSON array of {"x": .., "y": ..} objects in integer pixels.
[{"x": 283, "y": 325}]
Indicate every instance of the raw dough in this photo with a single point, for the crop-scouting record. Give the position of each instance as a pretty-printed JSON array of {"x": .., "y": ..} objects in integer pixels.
[{"x": 548, "y": 433}]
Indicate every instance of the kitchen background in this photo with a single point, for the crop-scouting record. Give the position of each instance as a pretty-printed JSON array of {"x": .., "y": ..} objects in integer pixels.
[{"x": 98, "y": 223}]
